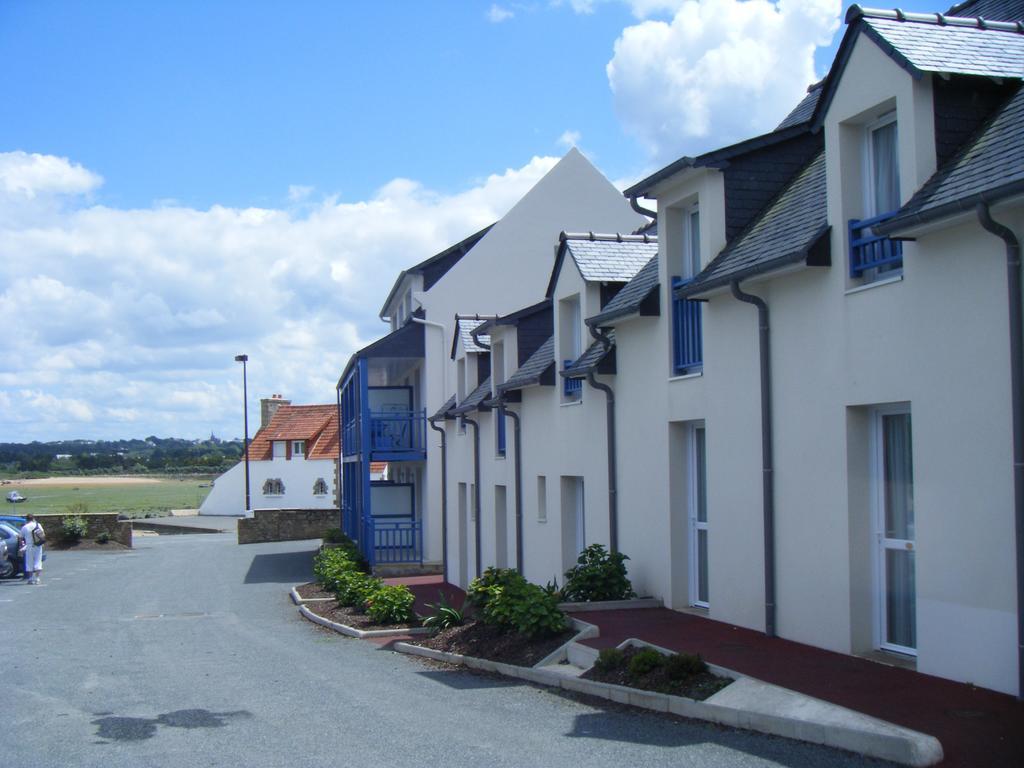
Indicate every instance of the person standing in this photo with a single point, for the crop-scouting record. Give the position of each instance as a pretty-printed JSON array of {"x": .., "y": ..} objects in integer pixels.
[{"x": 32, "y": 537}]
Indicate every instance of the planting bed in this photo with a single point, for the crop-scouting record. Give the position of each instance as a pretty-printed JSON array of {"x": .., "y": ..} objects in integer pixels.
[
  {"x": 698, "y": 687},
  {"x": 483, "y": 641},
  {"x": 350, "y": 618},
  {"x": 312, "y": 591}
]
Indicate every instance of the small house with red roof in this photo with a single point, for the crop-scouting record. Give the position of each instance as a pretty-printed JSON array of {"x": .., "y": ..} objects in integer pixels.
[{"x": 293, "y": 462}]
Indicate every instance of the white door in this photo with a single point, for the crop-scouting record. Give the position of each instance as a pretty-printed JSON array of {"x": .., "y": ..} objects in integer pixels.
[
  {"x": 698, "y": 504},
  {"x": 894, "y": 494}
]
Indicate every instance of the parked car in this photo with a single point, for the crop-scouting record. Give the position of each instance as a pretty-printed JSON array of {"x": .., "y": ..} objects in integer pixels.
[
  {"x": 15, "y": 498},
  {"x": 12, "y": 563},
  {"x": 13, "y": 520}
]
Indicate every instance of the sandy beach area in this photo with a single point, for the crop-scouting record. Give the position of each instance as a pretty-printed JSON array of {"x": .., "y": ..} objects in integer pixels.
[{"x": 92, "y": 480}]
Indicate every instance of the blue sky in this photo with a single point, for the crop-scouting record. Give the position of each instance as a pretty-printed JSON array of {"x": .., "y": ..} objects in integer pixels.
[{"x": 183, "y": 181}]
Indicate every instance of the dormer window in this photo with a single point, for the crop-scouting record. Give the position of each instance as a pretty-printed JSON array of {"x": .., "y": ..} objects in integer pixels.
[
  {"x": 874, "y": 256},
  {"x": 570, "y": 344},
  {"x": 298, "y": 447},
  {"x": 687, "y": 334}
]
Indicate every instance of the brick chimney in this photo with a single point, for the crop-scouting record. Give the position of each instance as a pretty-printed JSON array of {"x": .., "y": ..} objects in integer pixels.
[{"x": 269, "y": 406}]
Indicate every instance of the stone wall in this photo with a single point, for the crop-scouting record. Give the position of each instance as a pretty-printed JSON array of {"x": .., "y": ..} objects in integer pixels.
[
  {"x": 286, "y": 525},
  {"x": 97, "y": 522}
]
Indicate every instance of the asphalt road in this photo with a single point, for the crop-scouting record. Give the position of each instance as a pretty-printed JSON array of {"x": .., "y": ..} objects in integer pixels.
[{"x": 187, "y": 652}]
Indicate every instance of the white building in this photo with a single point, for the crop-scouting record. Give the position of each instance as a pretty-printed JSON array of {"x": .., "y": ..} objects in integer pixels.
[
  {"x": 293, "y": 462},
  {"x": 814, "y": 422}
]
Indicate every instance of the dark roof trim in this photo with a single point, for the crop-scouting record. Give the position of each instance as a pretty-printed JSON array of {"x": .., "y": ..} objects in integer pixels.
[
  {"x": 463, "y": 245},
  {"x": 952, "y": 208},
  {"x": 807, "y": 254},
  {"x": 717, "y": 158},
  {"x": 474, "y": 401},
  {"x": 384, "y": 346},
  {"x": 649, "y": 306},
  {"x": 514, "y": 317}
]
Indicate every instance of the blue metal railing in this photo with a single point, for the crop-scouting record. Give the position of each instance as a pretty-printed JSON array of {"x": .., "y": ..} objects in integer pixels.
[
  {"x": 871, "y": 251},
  {"x": 398, "y": 431},
  {"x": 572, "y": 388},
  {"x": 687, "y": 335},
  {"x": 393, "y": 541}
]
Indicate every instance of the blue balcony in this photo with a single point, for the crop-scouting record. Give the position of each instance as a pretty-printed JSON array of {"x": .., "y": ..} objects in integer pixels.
[
  {"x": 499, "y": 420},
  {"x": 398, "y": 434},
  {"x": 571, "y": 388},
  {"x": 870, "y": 251},
  {"x": 394, "y": 542},
  {"x": 687, "y": 335}
]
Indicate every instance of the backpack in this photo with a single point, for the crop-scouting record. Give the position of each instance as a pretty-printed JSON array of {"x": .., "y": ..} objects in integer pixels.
[{"x": 38, "y": 535}]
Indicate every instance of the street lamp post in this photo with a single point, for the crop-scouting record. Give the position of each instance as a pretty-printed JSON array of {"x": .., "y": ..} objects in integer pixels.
[{"x": 243, "y": 359}]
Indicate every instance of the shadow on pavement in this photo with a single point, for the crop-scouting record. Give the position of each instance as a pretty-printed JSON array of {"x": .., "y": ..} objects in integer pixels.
[
  {"x": 281, "y": 568},
  {"x": 465, "y": 681}
]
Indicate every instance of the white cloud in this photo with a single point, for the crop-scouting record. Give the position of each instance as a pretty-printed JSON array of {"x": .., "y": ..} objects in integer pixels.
[
  {"x": 717, "y": 71},
  {"x": 125, "y": 322},
  {"x": 569, "y": 139},
  {"x": 498, "y": 14},
  {"x": 29, "y": 175}
]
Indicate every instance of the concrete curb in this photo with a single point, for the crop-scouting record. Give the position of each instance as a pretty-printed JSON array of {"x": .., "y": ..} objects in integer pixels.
[
  {"x": 342, "y": 629},
  {"x": 299, "y": 600},
  {"x": 612, "y": 605},
  {"x": 746, "y": 703},
  {"x": 561, "y": 653}
]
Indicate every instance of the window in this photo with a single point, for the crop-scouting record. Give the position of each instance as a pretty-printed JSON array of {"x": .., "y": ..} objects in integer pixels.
[
  {"x": 542, "y": 499},
  {"x": 698, "y": 504},
  {"x": 570, "y": 344},
  {"x": 279, "y": 449},
  {"x": 320, "y": 487},
  {"x": 499, "y": 432},
  {"x": 873, "y": 256},
  {"x": 894, "y": 519},
  {"x": 460, "y": 385},
  {"x": 273, "y": 487},
  {"x": 298, "y": 447},
  {"x": 687, "y": 336}
]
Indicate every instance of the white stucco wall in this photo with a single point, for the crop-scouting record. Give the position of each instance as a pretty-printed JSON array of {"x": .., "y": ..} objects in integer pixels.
[{"x": 227, "y": 497}]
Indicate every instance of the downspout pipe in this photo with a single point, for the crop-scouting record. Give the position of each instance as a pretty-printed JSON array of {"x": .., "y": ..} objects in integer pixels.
[
  {"x": 476, "y": 489},
  {"x": 502, "y": 404},
  {"x": 1014, "y": 294},
  {"x": 444, "y": 495},
  {"x": 613, "y": 485},
  {"x": 767, "y": 458},
  {"x": 641, "y": 210}
]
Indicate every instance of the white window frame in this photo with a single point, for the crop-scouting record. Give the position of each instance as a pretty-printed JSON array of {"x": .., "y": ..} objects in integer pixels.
[
  {"x": 692, "y": 502},
  {"x": 691, "y": 263},
  {"x": 298, "y": 447},
  {"x": 878, "y": 524}
]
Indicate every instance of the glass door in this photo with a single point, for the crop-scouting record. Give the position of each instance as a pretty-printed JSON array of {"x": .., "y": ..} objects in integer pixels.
[
  {"x": 698, "y": 519},
  {"x": 896, "y": 547}
]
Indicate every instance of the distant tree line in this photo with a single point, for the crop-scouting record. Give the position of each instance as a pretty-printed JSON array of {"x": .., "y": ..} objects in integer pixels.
[{"x": 152, "y": 454}]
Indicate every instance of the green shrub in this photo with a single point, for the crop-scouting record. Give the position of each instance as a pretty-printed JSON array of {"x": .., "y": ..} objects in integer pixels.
[
  {"x": 523, "y": 607},
  {"x": 103, "y": 537},
  {"x": 597, "y": 575},
  {"x": 443, "y": 614},
  {"x": 644, "y": 662},
  {"x": 480, "y": 589},
  {"x": 74, "y": 529},
  {"x": 609, "y": 660},
  {"x": 390, "y": 604},
  {"x": 336, "y": 536},
  {"x": 681, "y": 666},
  {"x": 354, "y": 589}
]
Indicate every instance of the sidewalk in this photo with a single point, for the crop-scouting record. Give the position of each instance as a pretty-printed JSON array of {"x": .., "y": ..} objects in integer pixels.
[{"x": 976, "y": 727}]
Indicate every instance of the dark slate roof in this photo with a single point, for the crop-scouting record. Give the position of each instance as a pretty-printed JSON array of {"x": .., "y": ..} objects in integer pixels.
[
  {"x": 590, "y": 359},
  {"x": 992, "y": 10},
  {"x": 475, "y": 398},
  {"x": 921, "y": 43},
  {"x": 464, "y": 327},
  {"x": 407, "y": 341},
  {"x": 803, "y": 111},
  {"x": 445, "y": 411},
  {"x": 987, "y": 169},
  {"x": 611, "y": 258},
  {"x": 536, "y": 365},
  {"x": 782, "y": 234},
  {"x": 628, "y": 300}
]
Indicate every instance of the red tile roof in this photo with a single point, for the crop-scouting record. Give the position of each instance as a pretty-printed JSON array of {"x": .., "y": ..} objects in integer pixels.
[{"x": 316, "y": 424}]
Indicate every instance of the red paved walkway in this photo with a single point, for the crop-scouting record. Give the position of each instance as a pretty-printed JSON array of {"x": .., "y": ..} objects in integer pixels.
[{"x": 977, "y": 727}]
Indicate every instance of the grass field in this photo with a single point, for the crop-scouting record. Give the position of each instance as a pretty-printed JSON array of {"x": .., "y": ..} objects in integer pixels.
[{"x": 132, "y": 499}]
